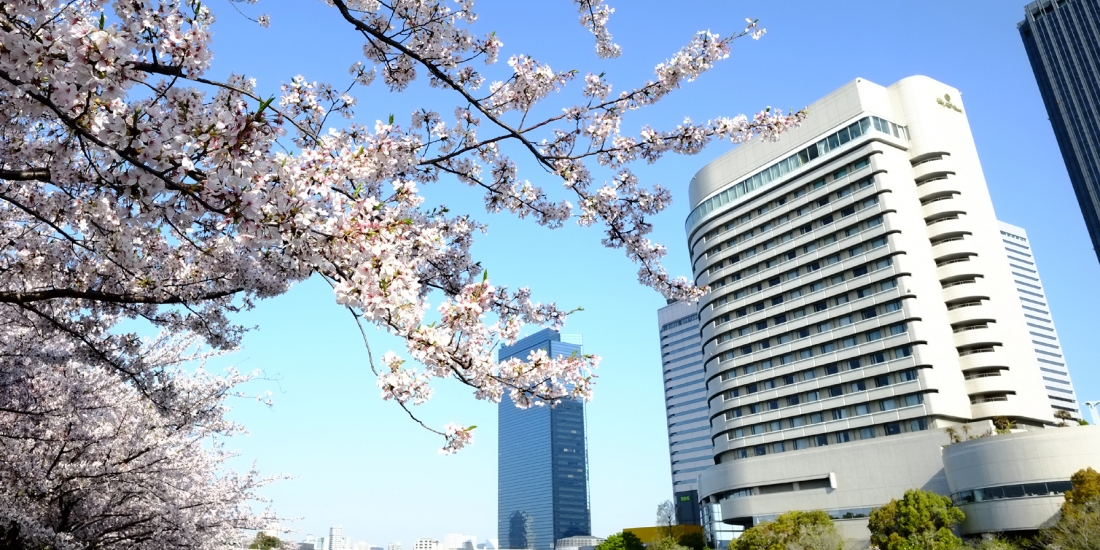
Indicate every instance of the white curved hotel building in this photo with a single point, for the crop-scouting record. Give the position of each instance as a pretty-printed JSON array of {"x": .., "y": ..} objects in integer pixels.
[{"x": 861, "y": 301}]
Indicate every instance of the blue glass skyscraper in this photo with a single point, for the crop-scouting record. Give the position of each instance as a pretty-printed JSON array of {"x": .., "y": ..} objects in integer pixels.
[
  {"x": 1062, "y": 39},
  {"x": 542, "y": 465}
]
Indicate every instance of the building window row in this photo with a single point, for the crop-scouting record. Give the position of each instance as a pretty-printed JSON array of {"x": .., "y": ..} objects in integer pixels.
[
  {"x": 795, "y": 252},
  {"x": 826, "y": 370},
  {"x": 692, "y": 411},
  {"x": 799, "y": 273},
  {"x": 823, "y": 327},
  {"x": 695, "y": 363},
  {"x": 692, "y": 345},
  {"x": 800, "y": 158},
  {"x": 821, "y": 305},
  {"x": 1049, "y": 488},
  {"x": 765, "y": 226},
  {"x": 680, "y": 321},
  {"x": 667, "y": 380},
  {"x": 838, "y": 437},
  {"x": 698, "y": 381},
  {"x": 674, "y": 342},
  {"x": 681, "y": 331},
  {"x": 688, "y": 402},
  {"x": 838, "y": 390}
]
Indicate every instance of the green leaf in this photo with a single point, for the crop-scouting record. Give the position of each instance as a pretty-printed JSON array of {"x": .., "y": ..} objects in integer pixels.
[
  {"x": 391, "y": 119},
  {"x": 102, "y": 20},
  {"x": 264, "y": 104},
  {"x": 485, "y": 275}
]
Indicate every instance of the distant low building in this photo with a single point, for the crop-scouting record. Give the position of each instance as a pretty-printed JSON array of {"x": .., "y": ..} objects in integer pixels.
[
  {"x": 426, "y": 544},
  {"x": 578, "y": 543}
]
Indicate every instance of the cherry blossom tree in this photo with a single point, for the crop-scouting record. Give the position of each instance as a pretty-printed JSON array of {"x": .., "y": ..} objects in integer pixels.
[{"x": 135, "y": 187}]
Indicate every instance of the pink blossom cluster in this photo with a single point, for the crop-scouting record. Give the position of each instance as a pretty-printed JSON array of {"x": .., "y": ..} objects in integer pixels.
[{"x": 133, "y": 186}]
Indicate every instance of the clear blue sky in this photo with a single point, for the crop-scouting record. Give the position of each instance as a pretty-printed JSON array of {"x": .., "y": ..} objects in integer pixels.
[{"x": 359, "y": 462}]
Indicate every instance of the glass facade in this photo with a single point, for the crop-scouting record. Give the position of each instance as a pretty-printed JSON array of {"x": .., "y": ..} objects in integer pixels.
[
  {"x": 542, "y": 465},
  {"x": 764, "y": 177},
  {"x": 1060, "y": 37}
]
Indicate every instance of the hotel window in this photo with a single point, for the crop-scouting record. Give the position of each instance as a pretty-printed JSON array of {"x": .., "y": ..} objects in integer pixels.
[
  {"x": 843, "y": 437},
  {"x": 812, "y": 396},
  {"x": 866, "y": 433},
  {"x": 859, "y": 385},
  {"x": 853, "y": 364},
  {"x": 800, "y": 443},
  {"x": 797, "y": 422},
  {"x": 882, "y": 380},
  {"x": 892, "y": 428},
  {"x": 831, "y": 369},
  {"x": 821, "y": 440},
  {"x": 888, "y": 404},
  {"x": 862, "y": 409},
  {"x": 835, "y": 391},
  {"x": 913, "y": 400},
  {"x": 808, "y": 374}
]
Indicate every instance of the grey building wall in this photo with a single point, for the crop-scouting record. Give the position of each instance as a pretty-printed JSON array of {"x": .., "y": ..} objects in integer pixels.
[
  {"x": 1044, "y": 338},
  {"x": 1017, "y": 481},
  {"x": 542, "y": 467},
  {"x": 689, "y": 443},
  {"x": 1061, "y": 39}
]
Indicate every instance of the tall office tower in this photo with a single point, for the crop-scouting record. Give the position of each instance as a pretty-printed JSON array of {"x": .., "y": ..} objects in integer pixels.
[
  {"x": 1062, "y": 39},
  {"x": 542, "y": 466},
  {"x": 689, "y": 445},
  {"x": 1044, "y": 338},
  {"x": 336, "y": 540},
  {"x": 861, "y": 303}
]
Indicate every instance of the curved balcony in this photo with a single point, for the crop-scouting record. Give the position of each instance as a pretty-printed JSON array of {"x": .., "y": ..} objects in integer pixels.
[
  {"x": 949, "y": 184},
  {"x": 988, "y": 384},
  {"x": 978, "y": 337},
  {"x": 940, "y": 207},
  {"x": 990, "y": 409},
  {"x": 933, "y": 166},
  {"x": 962, "y": 290},
  {"x": 962, "y": 247},
  {"x": 962, "y": 315},
  {"x": 942, "y": 229},
  {"x": 958, "y": 269},
  {"x": 994, "y": 360}
]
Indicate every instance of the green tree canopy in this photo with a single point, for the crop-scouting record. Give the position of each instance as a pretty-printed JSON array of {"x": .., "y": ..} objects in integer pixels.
[
  {"x": 1086, "y": 487},
  {"x": 264, "y": 541},
  {"x": 693, "y": 540},
  {"x": 665, "y": 543},
  {"x": 622, "y": 541},
  {"x": 806, "y": 530},
  {"x": 921, "y": 520}
]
